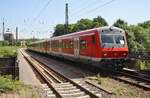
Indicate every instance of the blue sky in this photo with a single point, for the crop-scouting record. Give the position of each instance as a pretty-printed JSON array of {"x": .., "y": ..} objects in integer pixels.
[{"x": 35, "y": 19}]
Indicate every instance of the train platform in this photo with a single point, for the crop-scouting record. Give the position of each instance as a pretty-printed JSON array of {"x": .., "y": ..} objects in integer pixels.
[{"x": 26, "y": 74}]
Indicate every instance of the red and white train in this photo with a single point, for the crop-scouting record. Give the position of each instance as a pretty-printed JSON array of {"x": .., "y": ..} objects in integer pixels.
[{"x": 98, "y": 46}]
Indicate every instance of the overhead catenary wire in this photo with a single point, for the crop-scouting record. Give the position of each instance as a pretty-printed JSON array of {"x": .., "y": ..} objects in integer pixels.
[
  {"x": 38, "y": 15},
  {"x": 44, "y": 7},
  {"x": 81, "y": 3},
  {"x": 94, "y": 9},
  {"x": 84, "y": 7}
]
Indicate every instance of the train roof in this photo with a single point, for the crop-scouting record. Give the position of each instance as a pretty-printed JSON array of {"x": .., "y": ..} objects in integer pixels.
[
  {"x": 37, "y": 42},
  {"x": 79, "y": 32}
]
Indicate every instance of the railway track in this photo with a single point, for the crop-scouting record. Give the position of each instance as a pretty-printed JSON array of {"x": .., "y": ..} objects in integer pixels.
[
  {"x": 127, "y": 76},
  {"x": 132, "y": 78},
  {"x": 146, "y": 76},
  {"x": 59, "y": 86}
]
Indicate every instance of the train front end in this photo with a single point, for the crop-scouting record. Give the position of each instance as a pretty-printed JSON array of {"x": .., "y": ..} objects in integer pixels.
[{"x": 113, "y": 46}]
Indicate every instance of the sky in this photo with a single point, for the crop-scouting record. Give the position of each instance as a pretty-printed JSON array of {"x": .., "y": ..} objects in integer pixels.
[{"x": 37, "y": 18}]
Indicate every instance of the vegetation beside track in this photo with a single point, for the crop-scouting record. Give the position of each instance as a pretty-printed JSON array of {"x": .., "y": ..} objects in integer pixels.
[
  {"x": 9, "y": 87},
  {"x": 143, "y": 64},
  {"x": 7, "y": 84},
  {"x": 121, "y": 89},
  {"x": 7, "y": 51}
]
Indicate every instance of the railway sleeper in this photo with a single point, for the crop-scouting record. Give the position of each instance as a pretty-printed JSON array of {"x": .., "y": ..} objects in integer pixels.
[
  {"x": 68, "y": 90},
  {"x": 47, "y": 92},
  {"x": 62, "y": 88},
  {"x": 70, "y": 95},
  {"x": 57, "y": 85},
  {"x": 94, "y": 90}
]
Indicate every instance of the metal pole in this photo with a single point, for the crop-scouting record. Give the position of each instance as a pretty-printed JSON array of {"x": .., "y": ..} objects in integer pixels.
[
  {"x": 3, "y": 29},
  {"x": 66, "y": 19},
  {"x": 16, "y": 34}
]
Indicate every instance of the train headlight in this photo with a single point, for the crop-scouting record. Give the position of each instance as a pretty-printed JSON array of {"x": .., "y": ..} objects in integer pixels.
[
  {"x": 105, "y": 54},
  {"x": 124, "y": 54}
]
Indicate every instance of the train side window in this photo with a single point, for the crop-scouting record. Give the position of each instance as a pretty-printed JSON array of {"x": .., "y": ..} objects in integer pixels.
[
  {"x": 57, "y": 44},
  {"x": 71, "y": 44},
  {"x": 83, "y": 44},
  {"x": 67, "y": 46},
  {"x": 63, "y": 44},
  {"x": 60, "y": 44},
  {"x": 52, "y": 44},
  {"x": 93, "y": 39}
]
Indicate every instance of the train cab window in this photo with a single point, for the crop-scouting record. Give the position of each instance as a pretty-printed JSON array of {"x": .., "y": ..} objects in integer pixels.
[
  {"x": 107, "y": 38},
  {"x": 119, "y": 39},
  {"x": 83, "y": 44}
]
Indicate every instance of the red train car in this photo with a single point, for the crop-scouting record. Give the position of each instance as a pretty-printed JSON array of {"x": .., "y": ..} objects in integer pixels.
[{"x": 98, "y": 46}]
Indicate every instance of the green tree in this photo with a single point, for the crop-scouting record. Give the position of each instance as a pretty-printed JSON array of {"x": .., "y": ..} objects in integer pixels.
[
  {"x": 74, "y": 28},
  {"x": 138, "y": 39},
  {"x": 121, "y": 24},
  {"x": 99, "y": 22},
  {"x": 84, "y": 24},
  {"x": 146, "y": 24},
  {"x": 59, "y": 30}
]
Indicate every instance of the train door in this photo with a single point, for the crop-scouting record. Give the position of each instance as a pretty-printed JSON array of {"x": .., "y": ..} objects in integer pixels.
[
  {"x": 76, "y": 47},
  {"x": 92, "y": 46}
]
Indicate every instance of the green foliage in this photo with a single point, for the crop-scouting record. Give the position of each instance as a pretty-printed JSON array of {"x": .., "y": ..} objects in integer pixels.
[
  {"x": 100, "y": 79},
  {"x": 6, "y": 51},
  {"x": 138, "y": 35},
  {"x": 59, "y": 30},
  {"x": 145, "y": 24},
  {"x": 82, "y": 24},
  {"x": 121, "y": 24},
  {"x": 7, "y": 43},
  {"x": 7, "y": 84},
  {"x": 143, "y": 65},
  {"x": 99, "y": 22}
]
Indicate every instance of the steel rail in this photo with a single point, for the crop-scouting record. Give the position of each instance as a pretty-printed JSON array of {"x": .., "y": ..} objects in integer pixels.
[
  {"x": 71, "y": 81},
  {"x": 46, "y": 79},
  {"x": 91, "y": 94},
  {"x": 132, "y": 77}
]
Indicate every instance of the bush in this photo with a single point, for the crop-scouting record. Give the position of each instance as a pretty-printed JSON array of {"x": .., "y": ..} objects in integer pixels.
[
  {"x": 143, "y": 65},
  {"x": 7, "y": 84},
  {"x": 7, "y": 51}
]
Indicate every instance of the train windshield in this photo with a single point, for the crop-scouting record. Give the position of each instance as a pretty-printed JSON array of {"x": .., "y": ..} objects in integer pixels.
[{"x": 112, "y": 39}]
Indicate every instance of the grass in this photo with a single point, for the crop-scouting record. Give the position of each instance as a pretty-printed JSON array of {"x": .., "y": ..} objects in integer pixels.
[
  {"x": 7, "y": 84},
  {"x": 15, "y": 87},
  {"x": 143, "y": 65},
  {"x": 120, "y": 89},
  {"x": 7, "y": 51}
]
